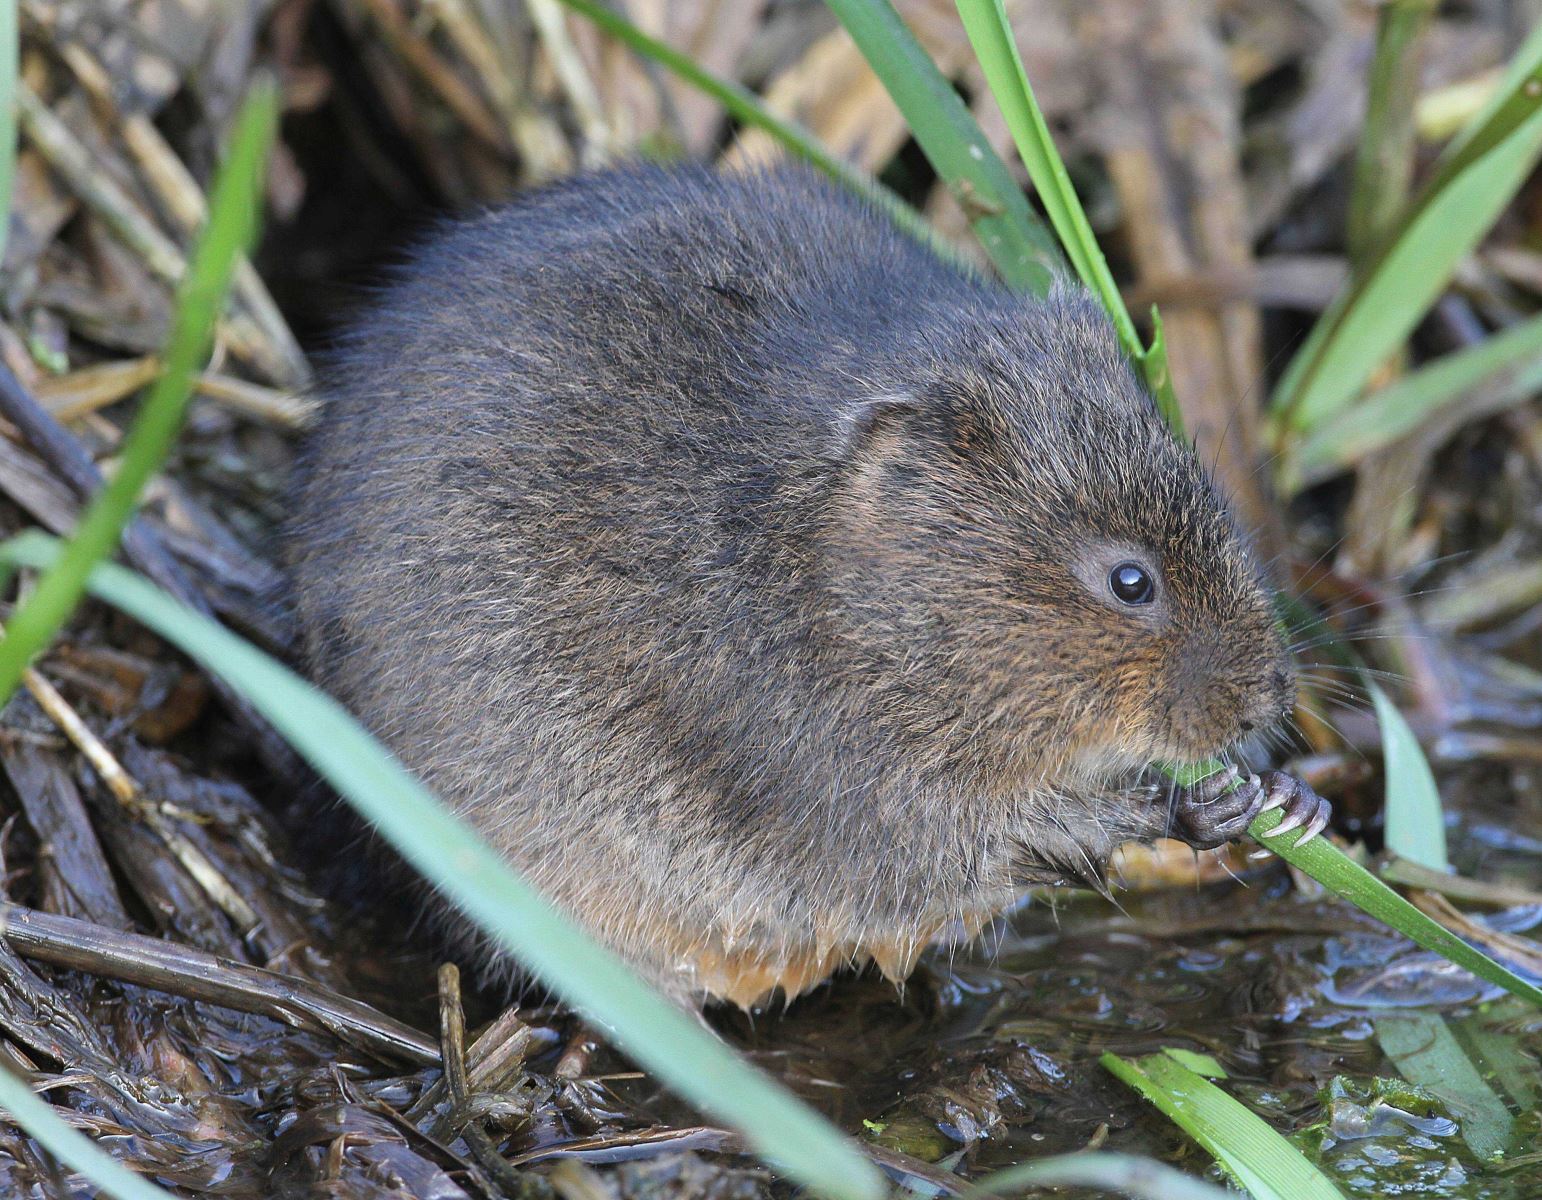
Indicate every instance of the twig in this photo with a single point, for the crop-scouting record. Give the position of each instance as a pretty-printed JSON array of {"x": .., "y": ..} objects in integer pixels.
[
  {"x": 68, "y": 155},
  {"x": 58, "y": 710},
  {"x": 640, "y": 1143},
  {"x": 199, "y": 975},
  {"x": 1474, "y": 891},
  {"x": 550, "y": 23},
  {"x": 1525, "y": 953},
  {"x": 129, "y": 794},
  {"x": 271, "y": 405},
  {"x": 543, "y": 149},
  {"x": 458, "y": 1117},
  {"x": 70, "y": 397},
  {"x": 493, "y": 1061},
  {"x": 432, "y": 70},
  {"x": 476, "y": 47},
  {"x": 452, "y": 1043},
  {"x": 498, "y": 1056}
]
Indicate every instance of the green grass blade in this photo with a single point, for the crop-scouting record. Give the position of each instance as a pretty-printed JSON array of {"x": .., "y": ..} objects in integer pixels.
[
  {"x": 69, "y": 1146},
  {"x": 1248, "y": 1149},
  {"x": 1512, "y": 105},
  {"x": 1200, "y": 1064},
  {"x": 663, "y": 1038},
  {"x": 1159, "y": 378},
  {"x": 1509, "y": 364},
  {"x": 1017, "y": 243},
  {"x": 1416, "y": 827},
  {"x": 10, "y": 50},
  {"x": 1475, "y": 180},
  {"x": 1348, "y": 880},
  {"x": 747, "y": 108},
  {"x": 1126, "y": 1174},
  {"x": 1427, "y": 1053},
  {"x": 200, "y": 299},
  {"x": 985, "y": 21}
]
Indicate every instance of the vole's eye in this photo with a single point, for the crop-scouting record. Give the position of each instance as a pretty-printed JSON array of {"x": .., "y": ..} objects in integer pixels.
[{"x": 1131, "y": 583}]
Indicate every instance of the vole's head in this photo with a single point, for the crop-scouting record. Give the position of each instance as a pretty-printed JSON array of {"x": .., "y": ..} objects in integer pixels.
[{"x": 1048, "y": 569}]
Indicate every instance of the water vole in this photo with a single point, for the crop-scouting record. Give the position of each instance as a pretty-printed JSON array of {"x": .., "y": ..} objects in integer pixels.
[{"x": 771, "y": 592}]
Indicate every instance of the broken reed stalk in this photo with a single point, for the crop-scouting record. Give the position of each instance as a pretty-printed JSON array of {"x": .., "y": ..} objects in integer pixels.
[
  {"x": 198, "y": 975},
  {"x": 457, "y": 1119}
]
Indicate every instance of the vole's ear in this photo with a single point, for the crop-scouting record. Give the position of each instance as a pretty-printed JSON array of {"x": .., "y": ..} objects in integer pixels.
[
  {"x": 871, "y": 427},
  {"x": 878, "y": 427}
]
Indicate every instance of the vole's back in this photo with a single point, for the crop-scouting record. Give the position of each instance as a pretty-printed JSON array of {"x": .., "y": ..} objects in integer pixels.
[
  {"x": 607, "y": 534},
  {"x": 612, "y": 398}
]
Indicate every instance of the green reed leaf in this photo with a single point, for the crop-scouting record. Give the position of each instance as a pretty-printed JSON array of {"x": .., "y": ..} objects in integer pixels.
[
  {"x": 745, "y": 106},
  {"x": 1474, "y": 181},
  {"x": 1416, "y": 828},
  {"x": 1248, "y": 1149},
  {"x": 1348, "y": 880},
  {"x": 1012, "y": 235}
]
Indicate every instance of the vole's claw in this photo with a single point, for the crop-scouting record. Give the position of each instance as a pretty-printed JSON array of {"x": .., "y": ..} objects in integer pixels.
[{"x": 1303, "y": 807}]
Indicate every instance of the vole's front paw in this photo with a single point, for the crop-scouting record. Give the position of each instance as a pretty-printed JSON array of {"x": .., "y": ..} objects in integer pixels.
[
  {"x": 1216, "y": 809},
  {"x": 1219, "y": 808}
]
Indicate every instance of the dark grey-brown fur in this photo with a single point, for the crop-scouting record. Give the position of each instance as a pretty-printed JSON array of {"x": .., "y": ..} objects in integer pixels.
[{"x": 740, "y": 569}]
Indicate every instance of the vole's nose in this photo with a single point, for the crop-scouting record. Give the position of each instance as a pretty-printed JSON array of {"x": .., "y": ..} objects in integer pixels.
[
  {"x": 1272, "y": 700},
  {"x": 1234, "y": 701}
]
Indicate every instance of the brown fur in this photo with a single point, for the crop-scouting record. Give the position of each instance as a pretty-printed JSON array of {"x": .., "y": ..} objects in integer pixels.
[{"x": 739, "y": 569}]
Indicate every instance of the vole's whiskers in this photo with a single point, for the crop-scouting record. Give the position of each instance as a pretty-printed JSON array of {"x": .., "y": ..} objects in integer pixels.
[
  {"x": 1348, "y": 690},
  {"x": 1366, "y": 637},
  {"x": 1282, "y": 738},
  {"x": 1338, "y": 703},
  {"x": 1320, "y": 714},
  {"x": 1343, "y": 612},
  {"x": 1329, "y": 680}
]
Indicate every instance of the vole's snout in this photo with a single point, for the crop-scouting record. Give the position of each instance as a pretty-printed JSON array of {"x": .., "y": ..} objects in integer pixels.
[
  {"x": 1270, "y": 701},
  {"x": 1224, "y": 697}
]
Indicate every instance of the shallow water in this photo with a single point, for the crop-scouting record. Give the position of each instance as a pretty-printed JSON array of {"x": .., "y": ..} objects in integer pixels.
[{"x": 990, "y": 1057}]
